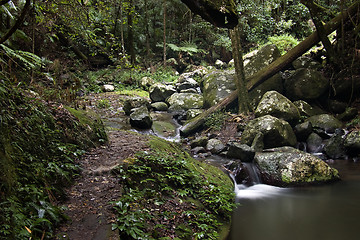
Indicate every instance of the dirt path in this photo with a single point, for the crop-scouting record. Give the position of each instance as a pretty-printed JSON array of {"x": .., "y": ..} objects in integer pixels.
[{"x": 88, "y": 205}]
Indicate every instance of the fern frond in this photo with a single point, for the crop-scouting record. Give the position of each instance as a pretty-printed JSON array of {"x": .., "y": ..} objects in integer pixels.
[{"x": 30, "y": 60}]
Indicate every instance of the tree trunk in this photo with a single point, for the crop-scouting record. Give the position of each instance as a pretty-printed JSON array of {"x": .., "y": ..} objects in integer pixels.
[
  {"x": 243, "y": 96},
  {"x": 271, "y": 69},
  {"x": 131, "y": 33},
  {"x": 164, "y": 36}
]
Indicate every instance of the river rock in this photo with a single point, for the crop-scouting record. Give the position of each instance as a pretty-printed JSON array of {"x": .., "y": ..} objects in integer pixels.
[
  {"x": 108, "y": 88},
  {"x": 199, "y": 142},
  {"x": 334, "y": 147},
  {"x": 140, "y": 118},
  {"x": 276, "y": 132},
  {"x": 325, "y": 122},
  {"x": 305, "y": 84},
  {"x": 217, "y": 85},
  {"x": 352, "y": 141},
  {"x": 135, "y": 102},
  {"x": 287, "y": 166},
  {"x": 185, "y": 101},
  {"x": 160, "y": 92},
  {"x": 159, "y": 106},
  {"x": 188, "y": 83},
  {"x": 215, "y": 146},
  {"x": 240, "y": 151},
  {"x": 303, "y": 130},
  {"x": 314, "y": 143},
  {"x": 220, "y": 64},
  {"x": 275, "y": 104}
]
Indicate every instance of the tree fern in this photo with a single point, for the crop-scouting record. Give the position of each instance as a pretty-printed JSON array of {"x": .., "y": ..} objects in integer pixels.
[{"x": 29, "y": 60}]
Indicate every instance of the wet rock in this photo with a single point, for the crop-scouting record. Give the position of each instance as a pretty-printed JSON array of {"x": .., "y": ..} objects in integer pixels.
[
  {"x": 189, "y": 90},
  {"x": 258, "y": 142},
  {"x": 303, "y": 130},
  {"x": 314, "y": 143},
  {"x": 336, "y": 106},
  {"x": 217, "y": 85},
  {"x": 199, "y": 142},
  {"x": 240, "y": 151},
  {"x": 325, "y": 122},
  {"x": 277, "y": 132},
  {"x": 334, "y": 147},
  {"x": 159, "y": 106},
  {"x": 185, "y": 101},
  {"x": 135, "y": 102},
  {"x": 306, "y": 84},
  {"x": 108, "y": 88},
  {"x": 352, "y": 141},
  {"x": 287, "y": 166},
  {"x": 275, "y": 104},
  {"x": 215, "y": 146},
  {"x": 160, "y": 92},
  {"x": 198, "y": 150},
  {"x": 140, "y": 118}
]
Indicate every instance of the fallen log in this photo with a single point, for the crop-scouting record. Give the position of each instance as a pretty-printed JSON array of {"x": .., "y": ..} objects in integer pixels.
[{"x": 267, "y": 72}]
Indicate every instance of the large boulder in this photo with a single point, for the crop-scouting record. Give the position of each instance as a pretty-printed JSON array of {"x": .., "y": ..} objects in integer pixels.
[
  {"x": 325, "y": 122},
  {"x": 135, "y": 102},
  {"x": 287, "y": 166},
  {"x": 257, "y": 60},
  {"x": 240, "y": 151},
  {"x": 305, "y": 84},
  {"x": 187, "y": 83},
  {"x": 140, "y": 118},
  {"x": 160, "y": 92},
  {"x": 217, "y": 85},
  {"x": 306, "y": 110},
  {"x": 254, "y": 62},
  {"x": 275, "y": 104},
  {"x": 185, "y": 101},
  {"x": 275, "y": 132}
]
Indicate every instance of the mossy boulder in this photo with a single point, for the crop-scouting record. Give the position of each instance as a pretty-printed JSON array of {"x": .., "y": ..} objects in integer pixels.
[
  {"x": 217, "y": 85},
  {"x": 277, "y": 105},
  {"x": 160, "y": 92},
  {"x": 135, "y": 102},
  {"x": 140, "y": 118},
  {"x": 305, "y": 84},
  {"x": 276, "y": 132},
  {"x": 287, "y": 166},
  {"x": 185, "y": 101},
  {"x": 352, "y": 141}
]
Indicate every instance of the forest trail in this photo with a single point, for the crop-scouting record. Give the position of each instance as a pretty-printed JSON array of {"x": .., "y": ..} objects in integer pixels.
[{"x": 87, "y": 205}]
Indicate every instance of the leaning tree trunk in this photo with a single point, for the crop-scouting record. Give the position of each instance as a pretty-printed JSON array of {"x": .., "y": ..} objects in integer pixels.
[{"x": 271, "y": 69}]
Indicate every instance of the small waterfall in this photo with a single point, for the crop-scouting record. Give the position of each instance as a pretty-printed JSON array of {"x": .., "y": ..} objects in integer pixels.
[{"x": 253, "y": 173}]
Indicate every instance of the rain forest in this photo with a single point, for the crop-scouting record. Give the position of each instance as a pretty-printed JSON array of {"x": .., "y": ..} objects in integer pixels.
[{"x": 179, "y": 119}]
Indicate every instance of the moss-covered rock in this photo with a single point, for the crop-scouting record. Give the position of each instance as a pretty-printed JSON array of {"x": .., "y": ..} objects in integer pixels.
[
  {"x": 170, "y": 193},
  {"x": 185, "y": 101},
  {"x": 288, "y": 166},
  {"x": 276, "y": 132}
]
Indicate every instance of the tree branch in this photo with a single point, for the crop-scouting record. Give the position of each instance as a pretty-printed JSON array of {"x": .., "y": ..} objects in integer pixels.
[{"x": 18, "y": 22}]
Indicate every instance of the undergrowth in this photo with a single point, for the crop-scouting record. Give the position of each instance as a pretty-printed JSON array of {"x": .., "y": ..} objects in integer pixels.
[
  {"x": 169, "y": 195},
  {"x": 38, "y": 145}
]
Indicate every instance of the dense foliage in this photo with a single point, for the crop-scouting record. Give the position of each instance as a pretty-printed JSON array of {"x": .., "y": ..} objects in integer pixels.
[{"x": 38, "y": 145}]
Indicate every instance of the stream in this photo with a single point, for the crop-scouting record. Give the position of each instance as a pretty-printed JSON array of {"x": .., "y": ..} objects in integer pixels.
[{"x": 328, "y": 212}]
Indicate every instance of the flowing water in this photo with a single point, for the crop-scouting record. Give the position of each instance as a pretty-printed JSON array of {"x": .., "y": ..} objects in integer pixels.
[{"x": 328, "y": 212}]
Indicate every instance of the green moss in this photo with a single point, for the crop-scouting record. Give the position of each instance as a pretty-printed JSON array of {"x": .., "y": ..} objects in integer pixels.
[{"x": 166, "y": 183}]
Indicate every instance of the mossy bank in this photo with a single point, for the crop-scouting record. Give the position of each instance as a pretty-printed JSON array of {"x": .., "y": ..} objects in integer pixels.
[{"x": 169, "y": 195}]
